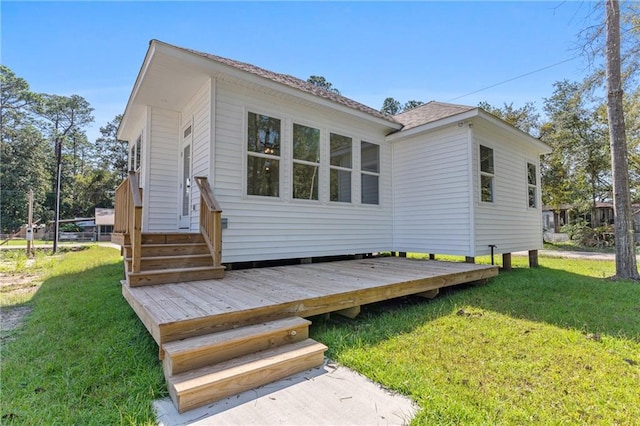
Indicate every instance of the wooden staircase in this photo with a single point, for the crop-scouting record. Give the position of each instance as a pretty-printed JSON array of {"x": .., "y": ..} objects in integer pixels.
[
  {"x": 204, "y": 369},
  {"x": 170, "y": 258}
]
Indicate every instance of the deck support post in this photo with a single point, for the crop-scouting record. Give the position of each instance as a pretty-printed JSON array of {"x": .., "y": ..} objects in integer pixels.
[
  {"x": 469, "y": 259},
  {"x": 429, "y": 294},
  {"x": 533, "y": 259},
  {"x": 432, "y": 256},
  {"x": 349, "y": 312},
  {"x": 506, "y": 262}
]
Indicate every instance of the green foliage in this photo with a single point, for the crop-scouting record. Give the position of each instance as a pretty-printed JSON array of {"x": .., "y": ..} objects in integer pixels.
[
  {"x": 37, "y": 130},
  {"x": 552, "y": 345},
  {"x": 82, "y": 357},
  {"x": 322, "y": 83},
  {"x": 111, "y": 151},
  {"x": 525, "y": 118},
  {"x": 392, "y": 107},
  {"x": 586, "y": 236}
]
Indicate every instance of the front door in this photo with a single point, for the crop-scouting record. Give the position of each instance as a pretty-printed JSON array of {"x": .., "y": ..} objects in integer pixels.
[{"x": 184, "y": 203}]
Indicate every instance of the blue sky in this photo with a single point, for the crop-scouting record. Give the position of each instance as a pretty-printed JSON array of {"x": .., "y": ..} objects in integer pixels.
[{"x": 368, "y": 50}]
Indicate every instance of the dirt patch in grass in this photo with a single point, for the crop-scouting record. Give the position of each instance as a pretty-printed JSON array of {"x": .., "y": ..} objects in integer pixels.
[{"x": 16, "y": 286}]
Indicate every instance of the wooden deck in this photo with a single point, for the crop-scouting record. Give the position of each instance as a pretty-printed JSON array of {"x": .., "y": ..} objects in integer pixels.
[{"x": 175, "y": 311}]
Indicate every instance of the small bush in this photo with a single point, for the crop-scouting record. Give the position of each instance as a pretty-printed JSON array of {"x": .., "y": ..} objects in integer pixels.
[{"x": 586, "y": 236}]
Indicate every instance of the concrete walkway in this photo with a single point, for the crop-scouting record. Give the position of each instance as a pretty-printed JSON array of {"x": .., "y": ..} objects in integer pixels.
[{"x": 327, "y": 395}]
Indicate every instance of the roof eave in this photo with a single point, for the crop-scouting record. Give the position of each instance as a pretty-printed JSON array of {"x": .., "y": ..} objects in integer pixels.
[
  {"x": 136, "y": 87},
  {"x": 446, "y": 121}
]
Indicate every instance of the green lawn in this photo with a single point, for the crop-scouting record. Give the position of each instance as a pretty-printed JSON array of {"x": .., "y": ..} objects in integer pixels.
[
  {"x": 82, "y": 357},
  {"x": 554, "y": 345}
]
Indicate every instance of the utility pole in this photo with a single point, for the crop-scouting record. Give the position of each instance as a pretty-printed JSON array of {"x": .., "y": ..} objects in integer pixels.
[{"x": 29, "y": 235}]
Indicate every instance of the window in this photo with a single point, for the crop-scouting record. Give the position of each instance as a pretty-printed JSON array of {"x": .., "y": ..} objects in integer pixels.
[
  {"x": 134, "y": 155},
  {"x": 486, "y": 174},
  {"x": 306, "y": 162},
  {"x": 340, "y": 168},
  {"x": 370, "y": 172},
  {"x": 263, "y": 155},
  {"x": 532, "y": 179}
]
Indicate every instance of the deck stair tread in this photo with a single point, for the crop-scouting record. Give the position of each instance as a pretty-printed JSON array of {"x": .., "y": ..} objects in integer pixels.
[
  {"x": 174, "y": 275},
  {"x": 207, "y": 384},
  {"x": 199, "y": 351},
  {"x": 150, "y": 263}
]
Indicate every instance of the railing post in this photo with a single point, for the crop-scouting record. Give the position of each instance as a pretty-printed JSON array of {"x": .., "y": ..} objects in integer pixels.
[{"x": 210, "y": 220}]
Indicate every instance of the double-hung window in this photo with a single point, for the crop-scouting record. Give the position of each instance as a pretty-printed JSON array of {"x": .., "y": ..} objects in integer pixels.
[
  {"x": 263, "y": 155},
  {"x": 532, "y": 187},
  {"x": 340, "y": 168},
  {"x": 370, "y": 172},
  {"x": 486, "y": 174},
  {"x": 135, "y": 155},
  {"x": 306, "y": 162}
]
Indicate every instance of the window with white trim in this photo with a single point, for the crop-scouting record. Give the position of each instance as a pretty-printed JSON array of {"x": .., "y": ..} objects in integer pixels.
[
  {"x": 306, "y": 162},
  {"x": 486, "y": 174},
  {"x": 532, "y": 186},
  {"x": 263, "y": 155},
  {"x": 134, "y": 155},
  {"x": 369, "y": 172},
  {"x": 340, "y": 168}
]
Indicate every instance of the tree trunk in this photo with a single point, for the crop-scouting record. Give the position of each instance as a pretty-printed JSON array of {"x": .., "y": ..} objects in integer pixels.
[{"x": 626, "y": 266}]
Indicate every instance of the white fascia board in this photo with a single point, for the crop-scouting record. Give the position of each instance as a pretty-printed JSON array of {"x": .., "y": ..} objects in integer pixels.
[
  {"x": 542, "y": 147},
  {"x": 136, "y": 87},
  {"x": 394, "y": 137},
  {"x": 211, "y": 66}
]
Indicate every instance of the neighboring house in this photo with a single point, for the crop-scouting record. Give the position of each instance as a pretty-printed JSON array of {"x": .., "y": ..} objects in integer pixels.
[
  {"x": 567, "y": 214},
  {"x": 104, "y": 222},
  {"x": 301, "y": 172}
]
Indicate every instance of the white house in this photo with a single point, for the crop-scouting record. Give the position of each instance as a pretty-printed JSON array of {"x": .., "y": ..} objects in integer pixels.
[{"x": 301, "y": 172}]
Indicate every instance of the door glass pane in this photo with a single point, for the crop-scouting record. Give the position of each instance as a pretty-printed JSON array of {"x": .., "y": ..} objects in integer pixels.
[{"x": 186, "y": 184}]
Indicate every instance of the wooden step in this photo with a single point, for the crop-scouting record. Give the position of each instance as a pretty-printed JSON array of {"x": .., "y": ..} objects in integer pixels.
[
  {"x": 172, "y": 238},
  {"x": 172, "y": 262},
  {"x": 178, "y": 275},
  {"x": 200, "y": 351},
  {"x": 181, "y": 249},
  {"x": 163, "y": 238},
  {"x": 208, "y": 384}
]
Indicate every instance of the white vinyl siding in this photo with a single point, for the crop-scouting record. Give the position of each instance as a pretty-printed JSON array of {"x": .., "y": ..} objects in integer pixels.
[
  {"x": 508, "y": 222},
  {"x": 198, "y": 112},
  {"x": 431, "y": 193},
  {"x": 161, "y": 194},
  {"x": 262, "y": 228}
]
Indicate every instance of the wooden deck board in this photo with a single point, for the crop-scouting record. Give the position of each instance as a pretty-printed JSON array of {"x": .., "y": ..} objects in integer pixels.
[{"x": 175, "y": 311}]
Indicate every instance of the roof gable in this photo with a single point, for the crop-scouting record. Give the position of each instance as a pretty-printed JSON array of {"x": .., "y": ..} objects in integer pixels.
[
  {"x": 428, "y": 113},
  {"x": 290, "y": 81}
]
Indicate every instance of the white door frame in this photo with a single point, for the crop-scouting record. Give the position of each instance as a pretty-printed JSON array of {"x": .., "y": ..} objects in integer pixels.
[{"x": 185, "y": 177}]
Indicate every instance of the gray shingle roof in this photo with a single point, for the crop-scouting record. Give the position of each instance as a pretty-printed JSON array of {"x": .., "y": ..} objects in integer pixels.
[
  {"x": 291, "y": 81},
  {"x": 429, "y": 112}
]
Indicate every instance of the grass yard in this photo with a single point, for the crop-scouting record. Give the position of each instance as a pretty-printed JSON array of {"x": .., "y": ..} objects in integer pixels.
[
  {"x": 81, "y": 356},
  {"x": 554, "y": 345}
]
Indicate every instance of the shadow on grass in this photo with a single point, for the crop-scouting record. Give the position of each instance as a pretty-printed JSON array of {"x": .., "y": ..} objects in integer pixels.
[
  {"x": 82, "y": 356},
  {"x": 563, "y": 299}
]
